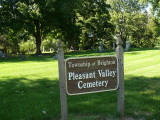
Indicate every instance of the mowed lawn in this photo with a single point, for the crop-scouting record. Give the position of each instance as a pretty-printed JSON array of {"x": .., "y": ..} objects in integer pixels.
[{"x": 29, "y": 90}]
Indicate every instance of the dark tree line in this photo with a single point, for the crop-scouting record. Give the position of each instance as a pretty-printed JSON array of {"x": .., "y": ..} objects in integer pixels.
[{"x": 81, "y": 24}]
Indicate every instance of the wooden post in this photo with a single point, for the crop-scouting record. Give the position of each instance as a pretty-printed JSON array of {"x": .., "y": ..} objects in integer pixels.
[
  {"x": 63, "y": 98},
  {"x": 119, "y": 52}
]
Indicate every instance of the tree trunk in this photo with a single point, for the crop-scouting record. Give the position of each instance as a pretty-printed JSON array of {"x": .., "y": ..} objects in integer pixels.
[
  {"x": 71, "y": 44},
  {"x": 93, "y": 41},
  {"x": 38, "y": 39},
  {"x": 5, "y": 51}
]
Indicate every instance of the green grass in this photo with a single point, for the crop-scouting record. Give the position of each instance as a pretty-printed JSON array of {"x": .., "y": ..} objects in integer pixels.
[{"x": 29, "y": 90}]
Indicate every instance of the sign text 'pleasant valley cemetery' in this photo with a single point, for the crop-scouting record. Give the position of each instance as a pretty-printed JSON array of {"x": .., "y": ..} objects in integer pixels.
[{"x": 91, "y": 74}]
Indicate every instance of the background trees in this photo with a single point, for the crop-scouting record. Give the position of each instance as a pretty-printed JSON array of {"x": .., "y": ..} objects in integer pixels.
[
  {"x": 80, "y": 24},
  {"x": 94, "y": 19},
  {"x": 35, "y": 20},
  {"x": 124, "y": 15}
]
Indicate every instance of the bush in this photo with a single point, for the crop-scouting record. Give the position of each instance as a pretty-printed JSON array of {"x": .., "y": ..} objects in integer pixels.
[
  {"x": 49, "y": 43},
  {"x": 28, "y": 46}
]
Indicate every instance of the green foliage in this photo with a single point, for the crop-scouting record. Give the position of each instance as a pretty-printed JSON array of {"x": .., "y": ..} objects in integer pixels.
[
  {"x": 81, "y": 24},
  {"x": 122, "y": 14},
  {"x": 3, "y": 40},
  {"x": 66, "y": 22},
  {"x": 31, "y": 11},
  {"x": 9, "y": 42},
  {"x": 37, "y": 19},
  {"x": 142, "y": 35},
  {"x": 49, "y": 43},
  {"x": 132, "y": 21},
  {"x": 30, "y": 14},
  {"x": 28, "y": 46},
  {"x": 156, "y": 13},
  {"x": 94, "y": 19}
]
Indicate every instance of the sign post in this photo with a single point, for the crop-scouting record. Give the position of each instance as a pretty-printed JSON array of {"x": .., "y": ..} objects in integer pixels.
[
  {"x": 91, "y": 74},
  {"x": 63, "y": 98},
  {"x": 120, "y": 97}
]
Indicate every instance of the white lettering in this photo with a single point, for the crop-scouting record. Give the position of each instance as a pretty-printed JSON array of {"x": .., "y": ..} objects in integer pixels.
[
  {"x": 106, "y": 73},
  {"x": 81, "y": 65},
  {"x": 105, "y": 62},
  {"x": 89, "y": 85},
  {"x": 100, "y": 71},
  {"x": 69, "y": 64},
  {"x": 100, "y": 83},
  {"x": 106, "y": 83},
  {"x": 79, "y": 85},
  {"x": 77, "y": 76},
  {"x": 70, "y": 75},
  {"x": 84, "y": 85}
]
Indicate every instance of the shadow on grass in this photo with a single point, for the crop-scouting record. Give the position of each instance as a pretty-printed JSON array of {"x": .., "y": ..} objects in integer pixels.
[
  {"x": 28, "y": 99},
  {"x": 142, "y": 97},
  {"x": 88, "y": 53},
  {"x": 28, "y": 59}
]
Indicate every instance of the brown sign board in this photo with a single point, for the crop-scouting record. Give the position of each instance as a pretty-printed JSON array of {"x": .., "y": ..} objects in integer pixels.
[{"x": 91, "y": 74}]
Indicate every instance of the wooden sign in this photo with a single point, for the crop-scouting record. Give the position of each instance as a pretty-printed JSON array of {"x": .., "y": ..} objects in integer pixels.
[{"x": 91, "y": 74}]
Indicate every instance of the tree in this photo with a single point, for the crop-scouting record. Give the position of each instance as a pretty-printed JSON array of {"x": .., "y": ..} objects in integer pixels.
[
  {"x": 122, "y": 14},
  {"x": 66, "y": 22},
  {"x": 155, "y": 19},
  {"x": 34, "y": 17},
  {"x": 11, "y": 40},
  {"x": 142, "y": 36},
  {"x": 33, "y": 21},
  {"x": 94, "y": 18},
  {"x": 4, "y": 43}
]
